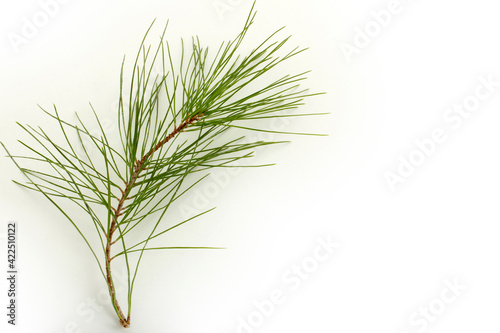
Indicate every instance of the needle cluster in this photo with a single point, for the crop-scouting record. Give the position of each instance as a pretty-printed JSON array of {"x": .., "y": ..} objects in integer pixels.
[{"x": 172, "y": 131}]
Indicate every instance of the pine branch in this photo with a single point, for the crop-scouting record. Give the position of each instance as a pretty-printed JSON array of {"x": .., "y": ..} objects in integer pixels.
[{"x": 173, "y": 128}]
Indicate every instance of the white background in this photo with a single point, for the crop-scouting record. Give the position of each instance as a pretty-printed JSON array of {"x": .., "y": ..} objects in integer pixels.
[{"x": 398, "y": 247}]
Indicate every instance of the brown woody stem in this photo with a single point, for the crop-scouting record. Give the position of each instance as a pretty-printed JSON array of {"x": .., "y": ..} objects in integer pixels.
[{"x": 136, "y": 170}]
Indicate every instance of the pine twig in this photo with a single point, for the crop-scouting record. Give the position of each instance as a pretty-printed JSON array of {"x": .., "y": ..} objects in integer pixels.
[{"x": 156, "y": 165}]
